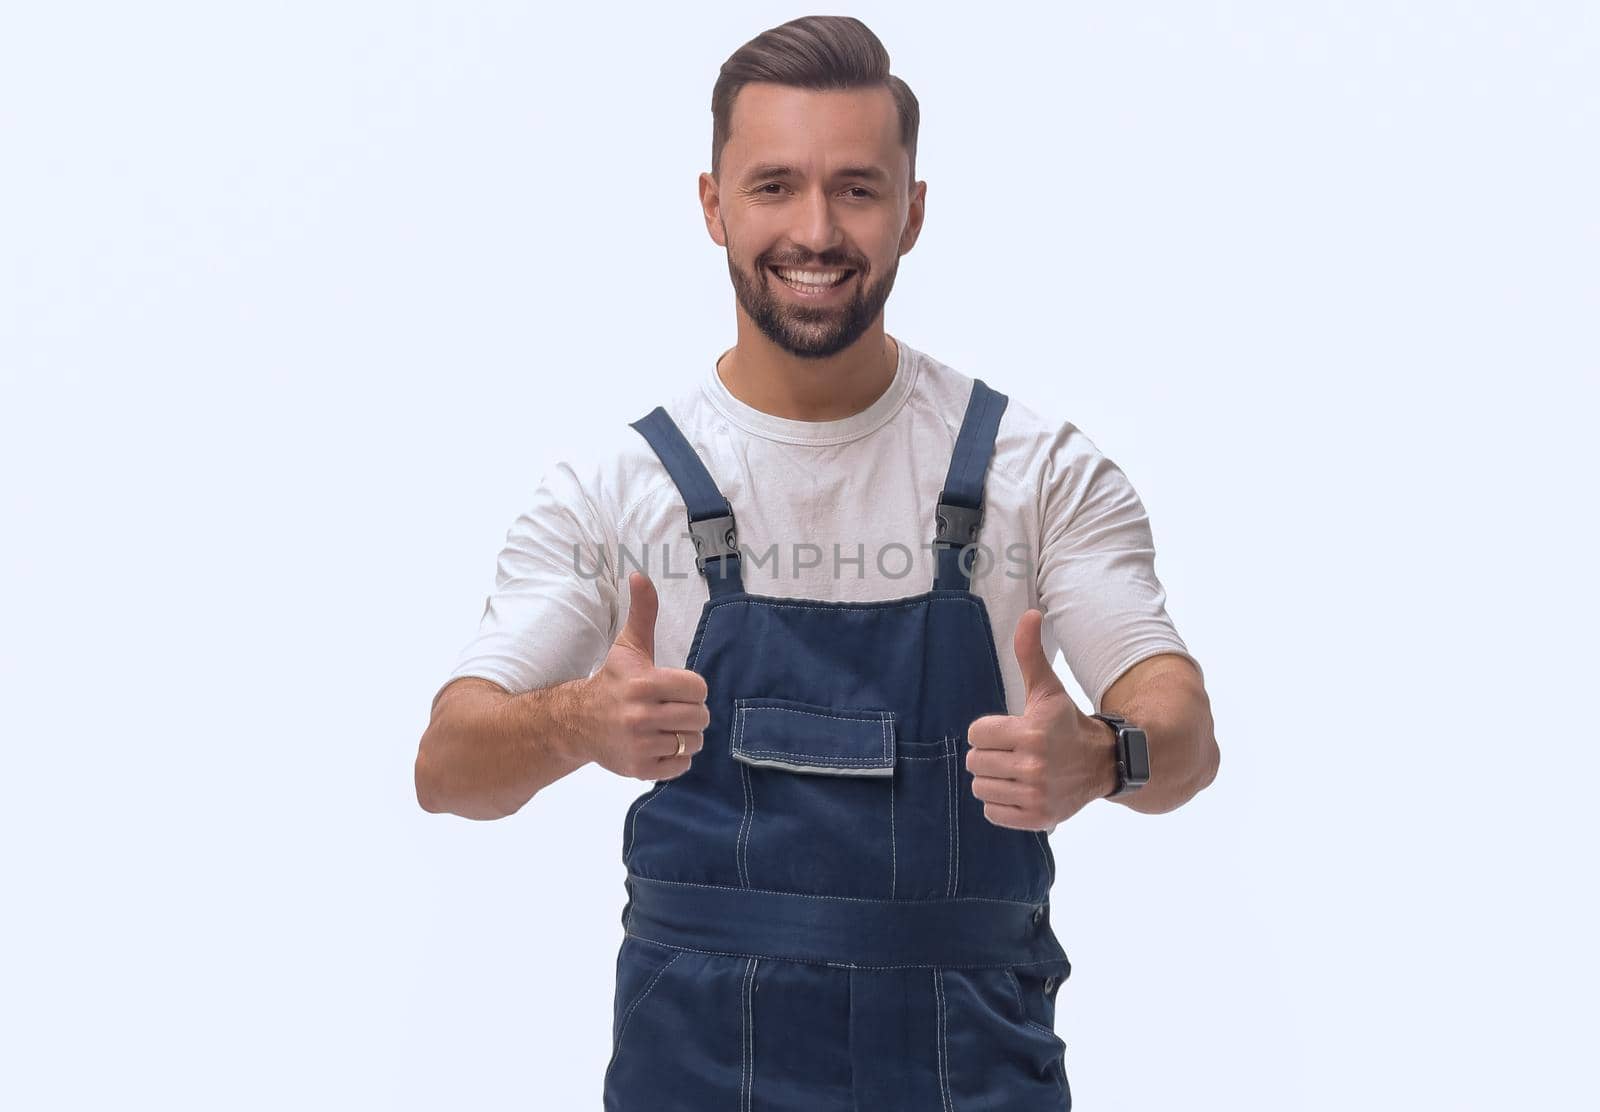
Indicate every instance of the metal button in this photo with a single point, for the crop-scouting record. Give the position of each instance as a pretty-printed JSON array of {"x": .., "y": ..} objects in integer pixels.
[
  {"x": 1049, "y": 984},
  {"x": 1038, "y": 914}
]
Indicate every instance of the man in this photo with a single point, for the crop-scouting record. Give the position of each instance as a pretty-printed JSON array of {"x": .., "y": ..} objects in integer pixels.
[{"x": 838, "y": 881}]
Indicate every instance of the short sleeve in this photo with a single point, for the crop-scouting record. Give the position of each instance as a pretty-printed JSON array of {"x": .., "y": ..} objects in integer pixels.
[
  {"x": 1097, "y": 586},
  {"x": 554, "y": 607}
]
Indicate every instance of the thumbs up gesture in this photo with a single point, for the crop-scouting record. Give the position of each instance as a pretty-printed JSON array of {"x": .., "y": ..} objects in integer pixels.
[
  {"x": 1037, "y": 769},
  {"x": 633, "y": 712}
]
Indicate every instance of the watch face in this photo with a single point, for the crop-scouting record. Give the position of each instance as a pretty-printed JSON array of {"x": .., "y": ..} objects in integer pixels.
[{"x": 1138, "y": 754}]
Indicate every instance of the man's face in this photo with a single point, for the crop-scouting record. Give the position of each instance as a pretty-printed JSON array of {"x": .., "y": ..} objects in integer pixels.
[{"x": 792, "y": 197}]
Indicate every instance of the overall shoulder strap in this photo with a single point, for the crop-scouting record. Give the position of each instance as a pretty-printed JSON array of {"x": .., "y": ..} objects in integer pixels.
[
  {"x": 960, "y": 511},
  {"x": 711, "y": 525}
]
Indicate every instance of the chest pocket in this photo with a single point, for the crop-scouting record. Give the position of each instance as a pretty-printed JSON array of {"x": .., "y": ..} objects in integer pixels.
[
  {"x": 818, "y": 786},
  {"x": 812, "y": 738}
]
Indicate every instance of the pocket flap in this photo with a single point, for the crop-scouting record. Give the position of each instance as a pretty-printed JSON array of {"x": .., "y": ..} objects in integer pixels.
[{"x": 807, "y": 737}]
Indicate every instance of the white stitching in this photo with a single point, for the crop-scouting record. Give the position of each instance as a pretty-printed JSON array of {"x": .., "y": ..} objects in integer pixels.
[
  {"x": 1046, "y": 1030},
  {"x": 850, "y": 1014},
  {"x": 957, "y": 768},
  {"x": 994, "y": 659},
  {"x": 753, "y": 703},
  {"x": 949, "y": 831},
  {"x": 741, "y": 712},
  {"x": 634, "y": 830},
  {"x": 874, "y": 771},
  {"x": 741, "y": 841},
  {"x": 873, "y": 762},
  {"x": 748, "y": 597},
  {"x": 740, "y": 859},
  {"x": 705, "y": 631},
  {"x": 744, "y": 1036},
  {"x": 838, "y": 964},
  {"x": 892, "y": 779},
  {"x": 943, "y": 1048},
  {"x": 1030, "y": 904},
  {"x": 633, "y": 826},
  {"x": 1016, "y": 987},
  {"x": 747, "y": 1066},
  {"x": 617, "y": 1051}
]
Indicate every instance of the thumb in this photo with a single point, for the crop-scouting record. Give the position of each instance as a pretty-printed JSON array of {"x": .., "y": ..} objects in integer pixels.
[
  {"x": 1038, "y": 678},
  {"x": 639, "y": 634}
]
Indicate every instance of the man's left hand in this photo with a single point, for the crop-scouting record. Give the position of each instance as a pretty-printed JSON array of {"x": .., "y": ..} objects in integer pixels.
[{"x": 1039, "y": 768}]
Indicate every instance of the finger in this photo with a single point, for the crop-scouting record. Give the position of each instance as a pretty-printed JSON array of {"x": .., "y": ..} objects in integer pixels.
[
  {"x": 672, "y": 769},
  {"x": 1001, "y": 764},
  {"x": 664, "y": 746},
  {"x": 993, "y": 731},
  {"x": 673, "y": 685},
  {"x": 1001, "y": 814},
  {"x": 1038, "y": 678},
  {"x": 674, "y": 716},
  {"x": 639, "y": 632},
  {"x": 1008, "y": 792}
]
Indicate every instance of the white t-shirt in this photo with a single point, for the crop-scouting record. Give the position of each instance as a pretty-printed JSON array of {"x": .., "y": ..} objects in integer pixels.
[{"x": 829, "y": 510}]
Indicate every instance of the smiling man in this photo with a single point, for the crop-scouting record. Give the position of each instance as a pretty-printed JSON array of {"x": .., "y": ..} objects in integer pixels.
[
  {"x": 838, "y": 883},
  {"x": 813, "y": 305}
]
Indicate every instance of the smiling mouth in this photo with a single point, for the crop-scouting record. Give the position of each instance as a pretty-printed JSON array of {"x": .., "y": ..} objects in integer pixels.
[{"x": 811, "y": 289}]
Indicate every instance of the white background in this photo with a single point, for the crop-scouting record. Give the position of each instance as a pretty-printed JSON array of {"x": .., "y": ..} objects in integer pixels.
[{"x": 298, "y": 300}]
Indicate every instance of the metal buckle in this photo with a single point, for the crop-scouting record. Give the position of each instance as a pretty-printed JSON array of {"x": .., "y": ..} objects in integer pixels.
[
  {"x": 956, "y": 525},
  {"x": 713, "y": 537}
]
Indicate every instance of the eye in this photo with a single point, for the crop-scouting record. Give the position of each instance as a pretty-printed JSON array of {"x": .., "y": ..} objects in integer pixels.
[{"x": 853, "y": 189}]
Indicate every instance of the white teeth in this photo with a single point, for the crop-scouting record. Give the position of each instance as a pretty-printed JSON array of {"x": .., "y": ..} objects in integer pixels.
[{"x": 821, "y": 278}]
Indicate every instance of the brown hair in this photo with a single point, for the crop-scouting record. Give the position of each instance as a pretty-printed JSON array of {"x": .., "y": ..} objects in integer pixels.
[{"x": 813, "y": 52}]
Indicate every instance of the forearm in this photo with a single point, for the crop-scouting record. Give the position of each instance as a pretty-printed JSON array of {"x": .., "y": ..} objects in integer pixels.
[
  {"x": 1169, "y": 702},
  {"x": 486, "y": 752}
]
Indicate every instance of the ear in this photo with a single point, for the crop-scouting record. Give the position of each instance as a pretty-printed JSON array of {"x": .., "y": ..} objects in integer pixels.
[
  {"x": 711, "y": 209},
  {"x": 914, "y": 214}
]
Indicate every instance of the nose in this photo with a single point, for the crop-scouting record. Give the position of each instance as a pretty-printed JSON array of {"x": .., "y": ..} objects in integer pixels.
[{"x": 815, "y": 227}]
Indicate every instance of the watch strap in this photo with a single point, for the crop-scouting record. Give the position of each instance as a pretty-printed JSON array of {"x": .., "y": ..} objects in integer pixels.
[{"x": 1117, "y": 722}]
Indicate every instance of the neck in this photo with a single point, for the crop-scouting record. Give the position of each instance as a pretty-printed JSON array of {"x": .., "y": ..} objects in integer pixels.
[{"x": 765, "y": 377}]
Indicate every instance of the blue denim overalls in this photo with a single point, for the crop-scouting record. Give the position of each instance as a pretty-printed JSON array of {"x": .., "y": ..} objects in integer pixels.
[{"x": 819, "y": 916}]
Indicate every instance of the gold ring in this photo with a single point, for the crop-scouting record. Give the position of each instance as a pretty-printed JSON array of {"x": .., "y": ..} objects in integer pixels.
[{"x": 679, "y": 736}]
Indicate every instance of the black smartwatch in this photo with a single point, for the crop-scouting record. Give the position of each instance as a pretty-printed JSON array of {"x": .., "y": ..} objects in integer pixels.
[{"x": 1133, "y": 755}]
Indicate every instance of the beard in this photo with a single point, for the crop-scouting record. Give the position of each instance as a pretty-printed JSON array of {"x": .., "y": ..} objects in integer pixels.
[{"x": 809, "y": 331}]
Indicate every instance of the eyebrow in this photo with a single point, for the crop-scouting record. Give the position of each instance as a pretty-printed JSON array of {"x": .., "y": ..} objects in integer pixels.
[{"x": 778, "y": 170}]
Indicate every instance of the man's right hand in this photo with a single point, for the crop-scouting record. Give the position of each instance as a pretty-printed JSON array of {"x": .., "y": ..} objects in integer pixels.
[{"x": 636, "y": 711}]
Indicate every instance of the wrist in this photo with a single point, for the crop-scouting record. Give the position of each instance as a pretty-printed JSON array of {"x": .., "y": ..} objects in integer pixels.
[
  {"x": 1108, "y": 780},
  {"x": 570, "y": 739}
]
